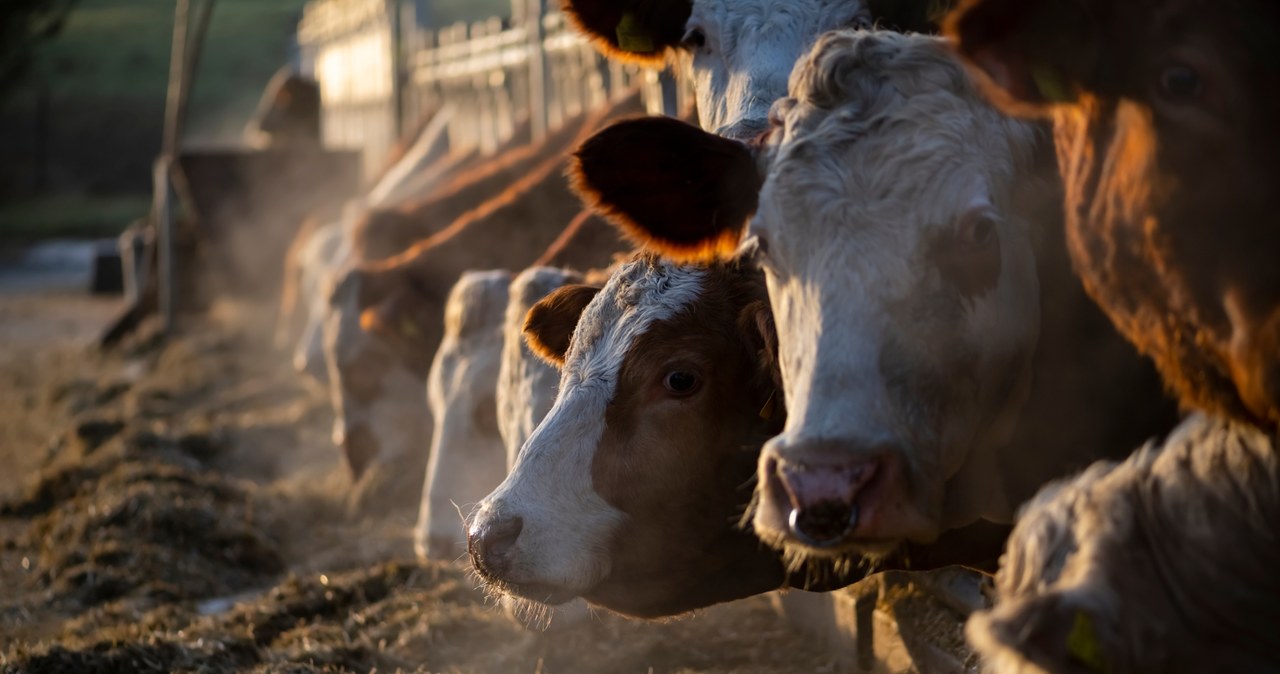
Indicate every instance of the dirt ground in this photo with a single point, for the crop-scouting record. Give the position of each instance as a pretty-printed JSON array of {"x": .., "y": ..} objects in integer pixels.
[{"x": 177, "y": 507}]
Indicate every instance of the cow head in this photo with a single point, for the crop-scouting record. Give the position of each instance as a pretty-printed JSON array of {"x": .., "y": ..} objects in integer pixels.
[
  {"x": 627, "y": 492},
  {"x": 1164, "y": 115},
  {"x": 467, "y": 459},
  {"x": 902, "y": 278},
  {"x": 736, "y": 52},
  {"x": 377, "y": 322}
]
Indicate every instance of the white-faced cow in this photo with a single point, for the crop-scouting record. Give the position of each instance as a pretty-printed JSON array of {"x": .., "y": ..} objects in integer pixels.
[
  {"x": 467, "y": 457},
  {"x": 1165, "y": 562},
  {"x": 1164, "y": 114},
  {"x": 892, "y": 225}
]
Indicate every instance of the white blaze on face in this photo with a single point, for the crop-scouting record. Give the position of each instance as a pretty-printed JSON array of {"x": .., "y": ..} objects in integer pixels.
[
  {"x": 747, "y": 50},
  {"x": 526, "y": 384},
  {"x": 567, "y": 526},
  {"x": 467, "y": 458},
  {"x": 885, "y": 154}
]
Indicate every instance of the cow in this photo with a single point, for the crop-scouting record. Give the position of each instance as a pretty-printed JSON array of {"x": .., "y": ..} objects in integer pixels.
[
  {"x": 467, "y": 458},
  {"x": 629, "y": 491},
  {"x": 929, "y": 327},
  {"x": 1163, "y": 112},
  {"x": 1164, "y": 562},
  {"x": 385, "y": 317}
]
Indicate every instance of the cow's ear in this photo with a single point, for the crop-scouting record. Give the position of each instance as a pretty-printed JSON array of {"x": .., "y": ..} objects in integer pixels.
[
  {"x": 639, "y": 31},
  {"x": 1028, "y": 54},
  {"x": 671, "y": 187},
  {"x": 549, "y": 325}
]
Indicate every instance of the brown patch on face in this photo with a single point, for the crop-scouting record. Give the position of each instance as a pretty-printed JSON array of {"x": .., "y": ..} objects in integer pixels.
[
  {"x": 362, "y": 376},
  {"x": 669, "y": 186},
  {"x": 549, "y": 325},
  {"x": 681, "y": 440}
]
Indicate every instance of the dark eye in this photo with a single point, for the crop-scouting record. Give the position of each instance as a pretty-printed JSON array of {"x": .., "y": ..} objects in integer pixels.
[
  {"x": 681, "y": 382},
  {"x": 978, "y": 232},
  {"x": 1180, "y": 83},
  {"x": 695, "y": 39}
]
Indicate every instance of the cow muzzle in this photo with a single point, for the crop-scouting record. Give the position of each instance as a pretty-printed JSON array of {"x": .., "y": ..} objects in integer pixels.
[{"x": 819, "y": 495}]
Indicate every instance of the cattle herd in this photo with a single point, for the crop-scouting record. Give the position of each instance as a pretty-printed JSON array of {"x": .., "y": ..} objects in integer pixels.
[{"x": 985, "y": 283}]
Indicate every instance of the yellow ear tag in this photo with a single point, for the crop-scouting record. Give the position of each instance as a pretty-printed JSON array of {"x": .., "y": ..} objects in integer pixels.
[
  {"x": 1082, "y": 643},
  {"x": 769, "y": 408},
  {"x": 409, "y": 328},
  {"x": 632, "y": 36},
  {"x": 1050, "y": 84}
]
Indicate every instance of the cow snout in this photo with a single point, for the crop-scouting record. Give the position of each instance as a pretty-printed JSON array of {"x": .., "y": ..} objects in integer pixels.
[
  {"x": 490, "y": 541},
  {"x": 814, "y": 501}
]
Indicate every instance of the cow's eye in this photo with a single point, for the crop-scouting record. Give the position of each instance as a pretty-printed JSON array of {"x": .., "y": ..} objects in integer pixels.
[
  {"x": 1180, "y": 83},
  {"x": 681, "y": 382},
  {"x": 695, "y": 38},
  {"x": 978, "y": 232}
]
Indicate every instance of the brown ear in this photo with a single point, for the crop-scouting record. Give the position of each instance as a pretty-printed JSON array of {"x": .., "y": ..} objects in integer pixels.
[
  {"x": 1029, "y": 54},
  {"x": 549, "y": 325},
  {"x": 669, "y": 186},
  {"x": 639, "y": 31}
]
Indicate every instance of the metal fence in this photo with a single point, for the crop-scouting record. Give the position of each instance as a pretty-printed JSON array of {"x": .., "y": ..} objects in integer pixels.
[{"x": 381, "y": 74}]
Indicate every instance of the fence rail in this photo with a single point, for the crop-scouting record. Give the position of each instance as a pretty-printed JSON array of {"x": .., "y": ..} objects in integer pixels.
[{"x": 381, "y": 74}]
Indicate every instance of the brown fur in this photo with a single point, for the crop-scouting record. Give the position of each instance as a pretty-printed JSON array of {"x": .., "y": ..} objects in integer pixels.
[
  {"x": 629, "y": 172},
  {"x": 1171, "y": 203},
  {"x": 548, "y": 327},
  {"x": 589, "y": 242},
  {"x": 288, "y": 112},
  {"x": 505, "y": 232},
  {"x": 662, "y": 20}
]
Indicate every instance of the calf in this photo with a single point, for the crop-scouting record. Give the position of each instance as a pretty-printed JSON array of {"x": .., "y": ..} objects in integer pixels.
[
  {"x": 1165, "y": 562},
  {"x": 664, "y": 399},
  {"x": 467, "y": 458},
  {"x": 923, "y": 393},
  {"x": 1164, "y": 116}
]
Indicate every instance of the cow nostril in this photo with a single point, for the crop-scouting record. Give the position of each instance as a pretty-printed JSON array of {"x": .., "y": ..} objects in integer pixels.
[
  {"x": 490, "y": 543},
  {"x": 823, "y": 524}
]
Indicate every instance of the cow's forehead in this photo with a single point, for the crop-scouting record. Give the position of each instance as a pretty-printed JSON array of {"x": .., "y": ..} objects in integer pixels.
[{"x": 639, "y": 294}]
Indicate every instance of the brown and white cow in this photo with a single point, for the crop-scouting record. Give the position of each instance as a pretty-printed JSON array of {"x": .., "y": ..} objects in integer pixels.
[
  {"x": 385, "y": 318},
  {"x": 630, "y": 491},
  {"x": 1164, "y": 115},
  {"x": 930, "y": 333},
  {"x": 1165, "y": 562}
]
